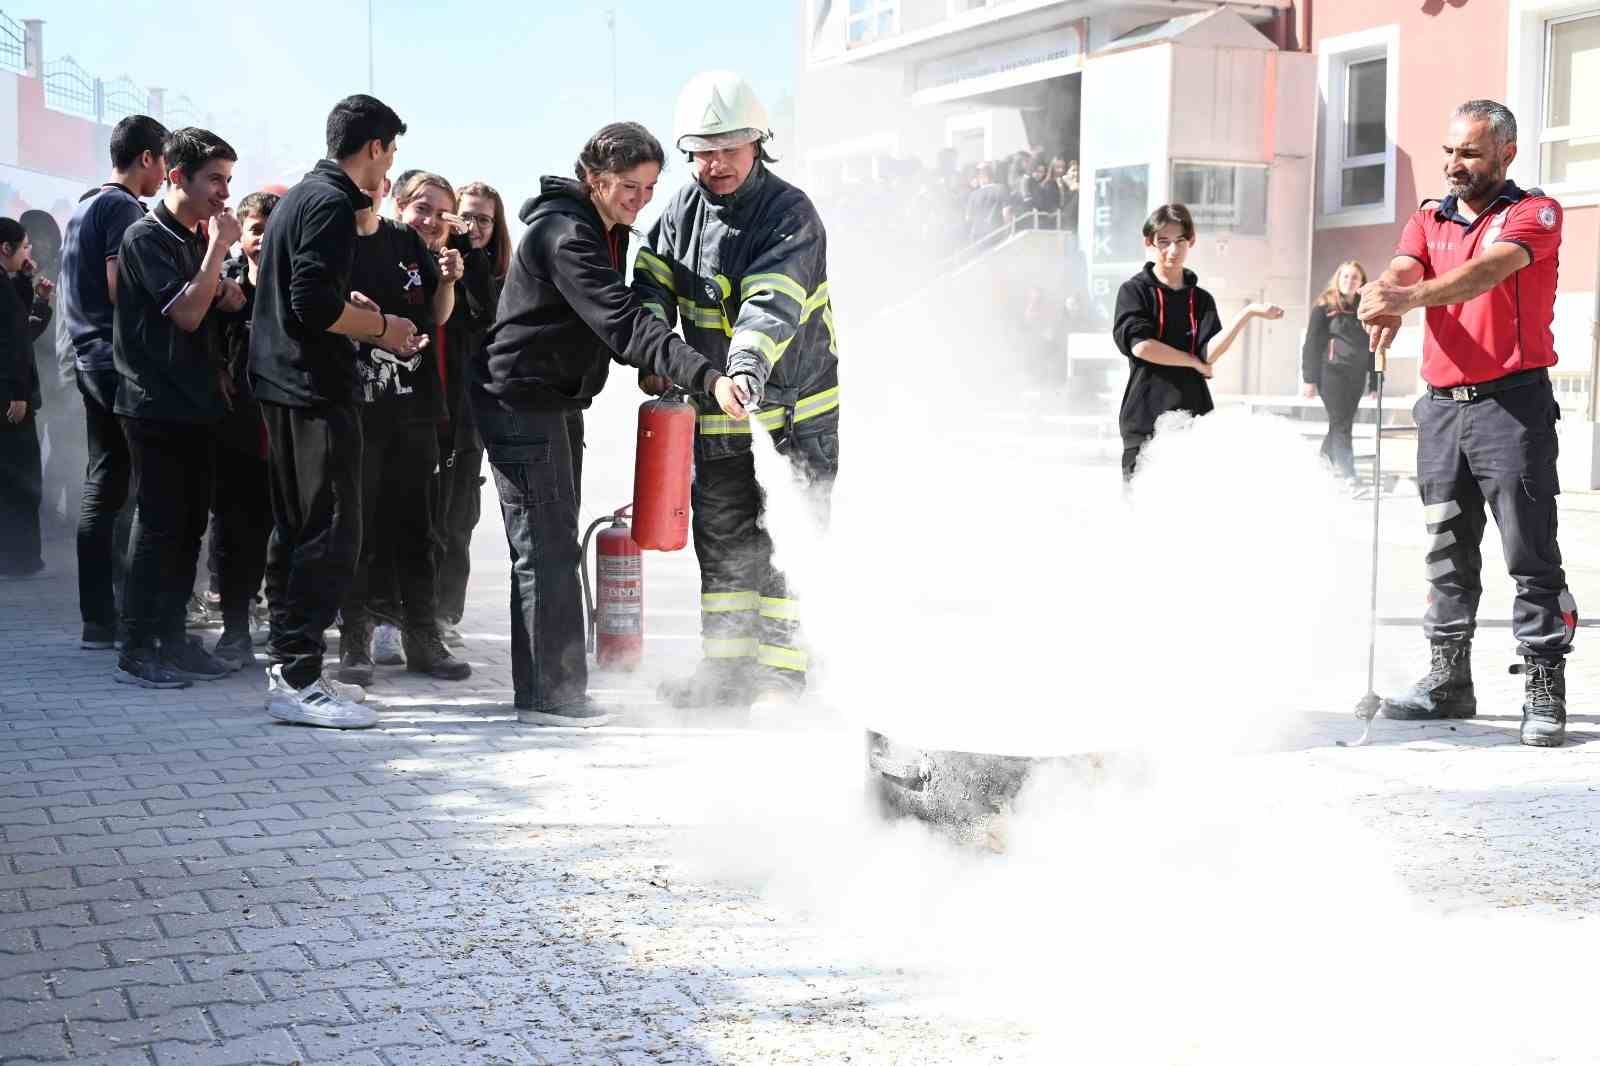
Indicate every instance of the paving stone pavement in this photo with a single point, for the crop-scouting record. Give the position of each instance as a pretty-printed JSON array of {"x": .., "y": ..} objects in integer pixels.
[{"x": 185, "y": 883}]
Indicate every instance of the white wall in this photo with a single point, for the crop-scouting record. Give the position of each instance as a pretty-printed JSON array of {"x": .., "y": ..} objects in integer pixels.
[{"x": 8, "y": 119}]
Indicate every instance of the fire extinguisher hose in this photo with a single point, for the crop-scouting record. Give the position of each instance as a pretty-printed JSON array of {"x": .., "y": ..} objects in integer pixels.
[{"x": 583, "y": 573}]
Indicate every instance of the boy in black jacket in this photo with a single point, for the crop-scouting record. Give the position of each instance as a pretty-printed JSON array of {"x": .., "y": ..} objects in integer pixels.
[
  {"x": 1165, "y": 324},
  {"x": 169, "y": 401},
  {"x": 302, "y": 367}
]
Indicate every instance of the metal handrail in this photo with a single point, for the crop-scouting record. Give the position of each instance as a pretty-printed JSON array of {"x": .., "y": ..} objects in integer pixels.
[{"x": 1008, "y": 229}]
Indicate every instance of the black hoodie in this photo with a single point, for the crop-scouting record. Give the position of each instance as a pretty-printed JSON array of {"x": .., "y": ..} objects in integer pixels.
[
  {"x": 1185, "y": 319},
  {"x": 1335, "y": 337},
  {"x": 566, "y": 311}
]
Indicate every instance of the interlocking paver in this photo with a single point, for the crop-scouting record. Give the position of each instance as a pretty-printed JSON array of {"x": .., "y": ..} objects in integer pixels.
[{"x": 312, "y": 1008}]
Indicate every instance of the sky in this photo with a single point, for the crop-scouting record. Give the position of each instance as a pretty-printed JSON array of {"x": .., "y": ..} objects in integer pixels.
[{"x": 492, "y": 90}]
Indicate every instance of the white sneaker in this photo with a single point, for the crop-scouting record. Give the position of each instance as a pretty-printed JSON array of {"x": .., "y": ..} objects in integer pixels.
[
  {"x": 386, "y": 650},
  {"x": 342, "y": 689},
  {"x": 316, "y": 704}
]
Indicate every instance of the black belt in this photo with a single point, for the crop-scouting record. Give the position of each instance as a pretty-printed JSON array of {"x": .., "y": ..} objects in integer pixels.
[{"x": 1468, "y": 393}]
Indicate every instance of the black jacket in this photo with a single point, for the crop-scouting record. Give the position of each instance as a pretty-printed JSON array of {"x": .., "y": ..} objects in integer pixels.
[
  {"x": 1185, "y": 319},
  {"x": 22, "y": 318},
  {"x": 1335, "y": 338},
  {"x": 305, "y": 281},
  {"x": 566, "y": 311},
  {"x": 476, "y": 295}
]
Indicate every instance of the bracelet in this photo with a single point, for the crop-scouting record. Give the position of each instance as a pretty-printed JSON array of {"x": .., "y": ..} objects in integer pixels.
[{"x": 378, "y": 336}]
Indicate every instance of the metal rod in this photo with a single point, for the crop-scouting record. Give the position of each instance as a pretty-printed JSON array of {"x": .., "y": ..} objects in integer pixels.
[{"x": 1377, "y": 500}]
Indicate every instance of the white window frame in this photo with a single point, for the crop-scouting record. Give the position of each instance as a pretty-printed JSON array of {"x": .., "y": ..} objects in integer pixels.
[
  {"x": 874, "y": 9},
  {"x": 1334, "y": 59},
  {"x": 1527, "y": 67}
]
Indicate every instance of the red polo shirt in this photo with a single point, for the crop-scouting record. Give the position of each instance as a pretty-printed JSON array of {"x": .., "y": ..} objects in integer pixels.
[{"x": 1506, "y": 329}]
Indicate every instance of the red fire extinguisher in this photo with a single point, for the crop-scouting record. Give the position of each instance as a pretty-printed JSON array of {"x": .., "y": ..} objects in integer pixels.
[
  {"x": 616, "y": 609},
  {"x": 662, "y": 471}
]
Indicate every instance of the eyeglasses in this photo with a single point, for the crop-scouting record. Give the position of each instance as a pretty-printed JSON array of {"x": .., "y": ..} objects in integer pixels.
[{"x": 477, "y": 221}]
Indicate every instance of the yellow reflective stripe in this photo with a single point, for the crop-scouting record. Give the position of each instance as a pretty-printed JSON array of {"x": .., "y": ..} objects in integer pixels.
[
  {"x": 819, "y": 403},
  {"x": 655, "y": 266},
  {"x": 715, "y": 602},
  {"x": 704, "y": 317},
  {"x": 782, "y": 658},
  {"x": 815, "y": 303},
  {"x": 770, "y": 350},
  {"x": 723, "y": 284},
  {"x": 729, "y": 648},
  {"x": 657, "y": 310},
  {"x": 785, "y": 609},
  {"x": 779, "y": 283}
]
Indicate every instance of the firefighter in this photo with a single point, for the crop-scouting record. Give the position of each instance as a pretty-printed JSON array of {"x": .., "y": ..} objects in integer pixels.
[{"x": 740, "y": 258}]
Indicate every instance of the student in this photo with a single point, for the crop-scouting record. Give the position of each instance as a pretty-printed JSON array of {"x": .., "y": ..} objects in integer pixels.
[
  {"x": 402, "y": 405},
  {"x": 458, "y": 497},
  {"x": 89, "y": 253},
  {"x": 303, "y": 371},
  {"x": 1165, "y": 324},
  {"x": 241, "y": 512},
  {"x": 169, "y": 288},
  {"x": 24, "y": 313},
  {"x": 1336, "y": 362}
]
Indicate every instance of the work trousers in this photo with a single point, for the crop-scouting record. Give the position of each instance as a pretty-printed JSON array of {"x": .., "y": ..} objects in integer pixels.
[
  {"x": 103, "y": 528},
  {"x": 172, "y": 469},
  {"x": 1499, "y": 449},
  {"x": 314, "y": 471},
  {"x": 749, "y": 617},
  {"x": 458, "y": 504},
  {"x": 1341, "y": 391},
  {"x": 537, "y": 461},
  {"x": 241, "y": 523},
  {"x": 397, "y": 471},
  {"x": 21, "y": 492}
]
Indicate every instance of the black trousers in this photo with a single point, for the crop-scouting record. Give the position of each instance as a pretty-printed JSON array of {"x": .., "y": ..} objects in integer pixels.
[
  {"x": 1341, "y": 391},
  {"x": 102, "y": 525},
  {"x": 748, "y": 615},
  {"x": 537, "y": 460},
  {"x": 458, "y": 504},
  {"x": 172, "y": 466},
  {"x": 397, "y": 472},
  {"x": 314, "y": 472},
  {"x": 1499, "y": 450},
  {"x": 21, "y": 492},
  {"x": 241, "y": 523}
]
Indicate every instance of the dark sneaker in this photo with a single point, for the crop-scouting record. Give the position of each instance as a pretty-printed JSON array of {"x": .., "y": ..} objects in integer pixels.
[
  {"x": 236, "y": 649},
  {"x": 585, "y": 714},
  {"x": 97, "y": 637},
  {"x": 1445, "y": 692},
  {"x": 451, "y": 635},
  {"x": 713, "y": 684},
  {"x": 426, "y": 654},
  {"x": 1544, "y": 702},
  {"x": 189, "y": 660},
  {"x": 355, "y": 655},
  {"x": 143, "y": 667}
]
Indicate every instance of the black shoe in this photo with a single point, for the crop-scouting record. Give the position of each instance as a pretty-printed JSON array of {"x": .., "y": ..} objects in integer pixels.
[
  {"x": 355, "y": 655},
  {"x": 1446, "y": 691},
  {"x": 143, "y": 667},
  {"x": 188, "y": 659},
  {"x": 713, "y": 684},
  {"x": 1544, "y": 701},
  {"x": 585, "y": 714},
  {"x": 97, "y": 637},
  {"x": 426, "y": 654},
  {"x": 235, "y": 648}
]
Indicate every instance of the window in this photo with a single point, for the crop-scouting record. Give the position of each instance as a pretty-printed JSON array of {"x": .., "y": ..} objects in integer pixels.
[
  {"x": 1357, "y": 75},
  {"x": 871, "y": 19},
  {"x": 1569, "y": 139},
  {"x": 1223, "y": 197}
]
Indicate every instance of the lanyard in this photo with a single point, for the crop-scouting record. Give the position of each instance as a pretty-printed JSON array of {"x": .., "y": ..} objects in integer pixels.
[{"x": 1161, "y": 324}]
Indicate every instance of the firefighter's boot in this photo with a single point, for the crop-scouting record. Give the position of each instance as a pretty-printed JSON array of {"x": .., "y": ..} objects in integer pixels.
[
  {"x": 1544, "y": 701},
  {"x": 714, "y": 683},
  {"x": 1445, "y": 692}
]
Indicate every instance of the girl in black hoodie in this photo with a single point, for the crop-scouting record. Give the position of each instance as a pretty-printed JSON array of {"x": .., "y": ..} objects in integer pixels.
[
  {"x": 565, "y": 312},
  {"x": 1165, "y": 324},
  {"x": 1336, "y": 362}
]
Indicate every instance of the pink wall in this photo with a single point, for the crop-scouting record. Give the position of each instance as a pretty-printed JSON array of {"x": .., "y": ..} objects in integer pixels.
[{"x": 1449, "y": 52}]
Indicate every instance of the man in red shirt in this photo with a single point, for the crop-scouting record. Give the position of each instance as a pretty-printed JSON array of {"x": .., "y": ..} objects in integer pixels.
[{"x": 1483, "y": 262}]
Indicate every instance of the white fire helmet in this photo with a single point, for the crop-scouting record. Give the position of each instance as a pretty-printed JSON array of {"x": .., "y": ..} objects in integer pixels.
[{"x": 718, "y": 109}]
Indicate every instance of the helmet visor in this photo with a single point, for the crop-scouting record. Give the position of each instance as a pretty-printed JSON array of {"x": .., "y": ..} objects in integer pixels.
[{"x": 711, "y": 142}]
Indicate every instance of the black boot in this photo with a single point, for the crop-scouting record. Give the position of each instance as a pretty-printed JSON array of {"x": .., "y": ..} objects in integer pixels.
[
  {"x": 1446, "y": 691},
  {"x": 714, "y": 683},
  {"x": 1544, "y": 701},
  {"x": 355, "y": 654},
  {"x": 426, "y": 654}
]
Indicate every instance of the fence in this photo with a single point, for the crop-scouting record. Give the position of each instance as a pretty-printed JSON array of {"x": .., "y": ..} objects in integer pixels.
[
  {"x": 13, "y": 39},
  {"x": 71, "y": 89}
]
